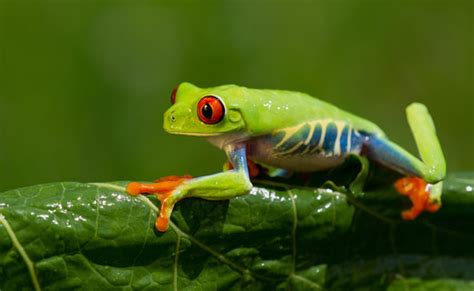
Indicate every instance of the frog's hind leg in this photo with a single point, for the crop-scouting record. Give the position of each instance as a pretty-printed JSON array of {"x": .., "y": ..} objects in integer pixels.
[{"x": 423, "y": 184}]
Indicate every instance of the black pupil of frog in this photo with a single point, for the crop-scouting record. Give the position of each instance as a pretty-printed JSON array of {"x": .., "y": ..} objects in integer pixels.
[{"x": 207, "y": 111}]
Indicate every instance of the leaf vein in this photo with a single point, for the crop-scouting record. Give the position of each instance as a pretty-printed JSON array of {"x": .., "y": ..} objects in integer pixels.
[
  {"x": 309, "y": 282},
  {"x": 293, "y": 230},
  {"x": 16, "y": 243}
]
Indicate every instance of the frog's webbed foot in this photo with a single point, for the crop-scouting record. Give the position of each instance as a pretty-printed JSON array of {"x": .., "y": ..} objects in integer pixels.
[
  {"x": 418, "y": 190},
  {"x": 162, "y": 189}
]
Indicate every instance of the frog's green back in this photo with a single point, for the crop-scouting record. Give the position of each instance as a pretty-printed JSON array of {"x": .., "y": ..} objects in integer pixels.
[{"x": 266, "y": 110}]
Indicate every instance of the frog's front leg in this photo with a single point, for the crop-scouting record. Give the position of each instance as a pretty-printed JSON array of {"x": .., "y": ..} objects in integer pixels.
[
  {"x": 254, "y": 169},
  {"x": 423, "y": 182},
  {"x": 219, "y": 186}
]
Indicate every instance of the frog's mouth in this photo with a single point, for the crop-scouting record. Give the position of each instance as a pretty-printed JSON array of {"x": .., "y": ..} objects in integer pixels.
[{"x": 204, "y": 134}]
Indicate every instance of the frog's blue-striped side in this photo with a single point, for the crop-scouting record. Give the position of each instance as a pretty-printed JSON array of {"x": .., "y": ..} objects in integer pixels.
[{"x": 329, "y": 138}]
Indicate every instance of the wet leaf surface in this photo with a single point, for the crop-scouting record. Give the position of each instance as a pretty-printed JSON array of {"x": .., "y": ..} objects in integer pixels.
[{"x": 280, "y": 236}]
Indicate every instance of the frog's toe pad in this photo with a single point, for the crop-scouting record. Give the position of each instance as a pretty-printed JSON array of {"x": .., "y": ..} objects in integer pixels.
[
  {"x": 134, "y": 188},
  {"x": 410, "y": 214},
  {"x": 433, "y": 207},
  {"x": 419, "y": 193},
  {"x": 162, "y": 223}
]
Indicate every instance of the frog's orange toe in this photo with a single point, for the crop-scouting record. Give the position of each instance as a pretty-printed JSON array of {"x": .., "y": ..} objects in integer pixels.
[
  {"x": 418, "y": 191},
  {"x": 433, "y": 207},
  {"x": 162, "y": 224},
  {"x": 410, "y": 214},
  {"x": 134, "y": 188}
]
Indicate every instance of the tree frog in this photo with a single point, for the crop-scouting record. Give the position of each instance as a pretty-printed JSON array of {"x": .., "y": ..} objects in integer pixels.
[{"x": 294, "y": 132}]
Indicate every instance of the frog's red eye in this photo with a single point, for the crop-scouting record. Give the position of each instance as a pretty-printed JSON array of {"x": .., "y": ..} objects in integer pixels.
[
  {"x": 210, "y": 110},
  {"x": 173, "y": 95}
]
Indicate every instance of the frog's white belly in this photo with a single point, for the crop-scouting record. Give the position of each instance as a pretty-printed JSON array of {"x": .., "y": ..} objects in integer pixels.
[{"x": 263, "y": 152}]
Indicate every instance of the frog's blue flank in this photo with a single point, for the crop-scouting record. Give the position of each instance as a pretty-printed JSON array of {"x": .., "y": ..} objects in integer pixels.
[{"x": 326, "y": 137}]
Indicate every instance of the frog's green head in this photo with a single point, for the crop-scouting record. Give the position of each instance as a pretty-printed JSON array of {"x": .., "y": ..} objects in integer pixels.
[{"x": 203, "y": 111}]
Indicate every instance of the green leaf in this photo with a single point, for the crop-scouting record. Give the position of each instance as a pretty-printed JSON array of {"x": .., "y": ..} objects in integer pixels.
[
  {"x": 420, "y": 285},
  {"x": 95, "y": 236}
]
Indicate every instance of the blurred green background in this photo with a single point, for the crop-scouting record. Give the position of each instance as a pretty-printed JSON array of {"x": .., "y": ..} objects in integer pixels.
[{"x": 83, "y": 84}]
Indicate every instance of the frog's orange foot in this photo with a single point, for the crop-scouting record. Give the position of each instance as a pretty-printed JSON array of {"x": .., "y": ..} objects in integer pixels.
[
  {"x": 162, "y": 188},
  {"x": 418, "y": 191}
]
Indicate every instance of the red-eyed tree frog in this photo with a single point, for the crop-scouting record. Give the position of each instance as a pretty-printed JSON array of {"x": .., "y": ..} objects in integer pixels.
[{"x": 293, "y": 132}]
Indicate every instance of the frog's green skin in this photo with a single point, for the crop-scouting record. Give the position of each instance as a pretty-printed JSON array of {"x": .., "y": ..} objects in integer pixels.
[{"x": 295, "y": 132}]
